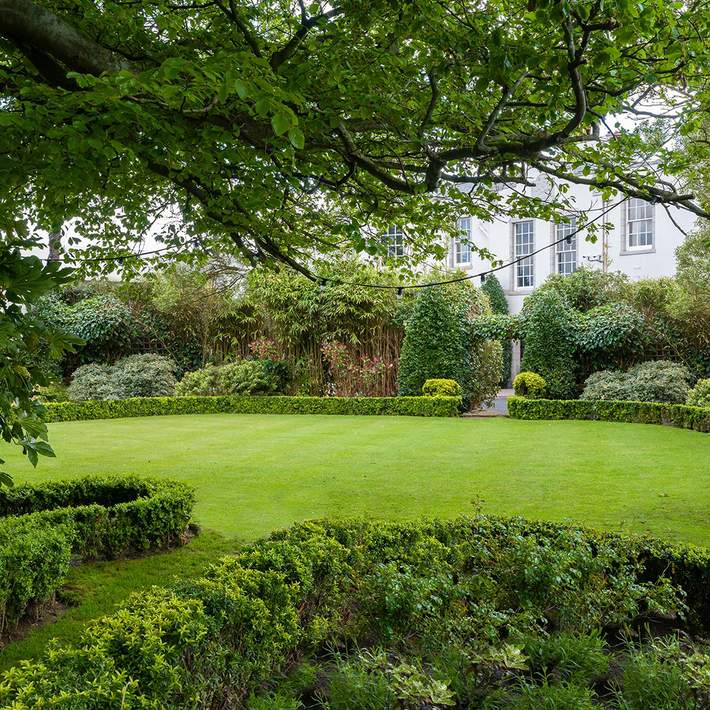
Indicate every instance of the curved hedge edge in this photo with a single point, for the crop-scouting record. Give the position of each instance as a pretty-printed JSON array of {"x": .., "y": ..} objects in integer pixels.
[
  {"x": 206, "y": 639},
  {"x": 39, "y": 535},
  {"x": 678, "y": 415},
  {"x": 157, "y": 406}
]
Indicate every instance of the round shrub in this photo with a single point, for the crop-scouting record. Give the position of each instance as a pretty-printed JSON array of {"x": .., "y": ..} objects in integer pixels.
[
  {"x": 655, "y": 381},
  {"x": 250, "y": 377},
  {"x": 92, "y": 381},
  {"x": 529, "y": 384},
  {"x": 145, "y": 375},
  {"x": 699, "y": 396},
  {"x": 441, "y": 388}
]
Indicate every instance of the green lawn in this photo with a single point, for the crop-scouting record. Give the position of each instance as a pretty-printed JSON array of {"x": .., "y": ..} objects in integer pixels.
[{"x": 254, "y": 473}]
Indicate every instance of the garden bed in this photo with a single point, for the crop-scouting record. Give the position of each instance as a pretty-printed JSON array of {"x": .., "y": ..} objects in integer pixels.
[
  {"x": 43, "y": 527},
  {"x": 477, "y": 612},
  {"x": 677, "y": 415},
  {"x": 156, "y": 406}
]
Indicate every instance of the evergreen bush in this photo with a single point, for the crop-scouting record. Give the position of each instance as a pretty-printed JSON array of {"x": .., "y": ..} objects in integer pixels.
[{"x": 499, "y": 305}]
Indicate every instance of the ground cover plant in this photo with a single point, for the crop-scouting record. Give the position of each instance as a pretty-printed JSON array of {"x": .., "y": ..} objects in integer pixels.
[{"x": 477, "y": 612}]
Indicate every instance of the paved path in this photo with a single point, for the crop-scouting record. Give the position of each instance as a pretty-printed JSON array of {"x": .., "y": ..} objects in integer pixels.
[{"x": 499, "y": 407}]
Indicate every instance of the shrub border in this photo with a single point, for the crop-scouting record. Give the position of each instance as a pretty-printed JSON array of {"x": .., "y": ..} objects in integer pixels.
[
  {"x": 199, "y": 640},
  {"x": 159, "y": 406},
  {"x": 43, "y": 526},
  {"x": 678, "y": 415}
]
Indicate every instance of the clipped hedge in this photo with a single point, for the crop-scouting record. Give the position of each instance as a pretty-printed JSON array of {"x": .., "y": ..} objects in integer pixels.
[
  {"x": 220, "y": 640},
  {"x": 43, "y": 526},
  {"x": 156, "y": 406},
  {"x": 677, "y": 415}
]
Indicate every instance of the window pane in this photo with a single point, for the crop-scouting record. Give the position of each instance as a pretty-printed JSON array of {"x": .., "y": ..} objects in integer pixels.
[
  {"x": 566, "y": 250},
  {"x": 395, "y": 241},
  {"x": 462, "y": 244},
  {"x": 639, "y": 223},
  {"x": 524, "y": 239}
]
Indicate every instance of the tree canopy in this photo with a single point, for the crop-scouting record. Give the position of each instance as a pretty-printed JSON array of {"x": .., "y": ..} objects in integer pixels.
[{"x": 274, "y": 128}]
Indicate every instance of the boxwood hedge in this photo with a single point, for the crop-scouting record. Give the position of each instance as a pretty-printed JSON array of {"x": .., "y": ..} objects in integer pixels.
[
  {"x": 153, "y": 406},
  {"x": 678, "y": 415},
  {"x": 280, "y": 615},
  {"x": 42, "y": 527}
]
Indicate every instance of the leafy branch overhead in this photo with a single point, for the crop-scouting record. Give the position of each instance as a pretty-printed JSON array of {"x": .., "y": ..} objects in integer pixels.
[{"x": 276, "y": 128}]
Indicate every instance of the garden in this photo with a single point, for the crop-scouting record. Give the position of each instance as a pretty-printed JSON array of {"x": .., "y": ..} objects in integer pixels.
[{"x": 254, "y": 454}]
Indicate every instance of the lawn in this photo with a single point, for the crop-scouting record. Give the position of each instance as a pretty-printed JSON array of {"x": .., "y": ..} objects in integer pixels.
[{"x": 255, "y": 473}]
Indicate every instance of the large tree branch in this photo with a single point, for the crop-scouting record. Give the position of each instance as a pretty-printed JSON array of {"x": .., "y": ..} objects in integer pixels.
[{"x": 27, "y": 24}]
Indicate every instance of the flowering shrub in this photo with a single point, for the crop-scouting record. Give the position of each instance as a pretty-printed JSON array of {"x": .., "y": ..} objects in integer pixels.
[{"x": 353, "y": 376}]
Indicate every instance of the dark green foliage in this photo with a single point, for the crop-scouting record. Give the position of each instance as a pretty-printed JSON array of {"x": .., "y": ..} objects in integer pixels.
[
  {"x": 236, "y": 378},
  {"x": 439, "y": 343},
  {"x": 146, "y": 375},
  {"x": 413, "y": 595},
  {"x": 42, "y": 526},
  {"x": 529, "y": 384},
  {"x": 550, "y": 326},
  {"x": 610, "y": 336},
  {"x": 441, "y": 388},
  {"x": 656, "y": 381},
  {"x": 586, "y": 289},
  {"x": 499, "y": 305},
  {"x": 155, "y": 406},
  {"x": 678, "y": 415}
]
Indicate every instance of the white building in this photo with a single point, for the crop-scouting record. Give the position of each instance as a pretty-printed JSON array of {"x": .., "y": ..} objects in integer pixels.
[{"x": 640, "y": 241}]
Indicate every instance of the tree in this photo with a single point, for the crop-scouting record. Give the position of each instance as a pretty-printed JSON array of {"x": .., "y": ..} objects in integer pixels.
[
  {"x": 275, "y": 128},
  {"x": 24, "y": 279}
]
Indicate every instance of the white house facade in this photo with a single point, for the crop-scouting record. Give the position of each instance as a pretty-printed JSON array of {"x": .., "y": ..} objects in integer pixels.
[{"x": 639, "y": 240}]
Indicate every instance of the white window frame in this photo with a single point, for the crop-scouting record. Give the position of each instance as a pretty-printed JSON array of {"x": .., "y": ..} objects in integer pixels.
[
  {"x": 394, "y": 238},
  {"x": 462, "y": 243},
  {"x": 645, "y": 225},
  {"x": 524, "y": 243},
  {"x": 565, "y": 252}
]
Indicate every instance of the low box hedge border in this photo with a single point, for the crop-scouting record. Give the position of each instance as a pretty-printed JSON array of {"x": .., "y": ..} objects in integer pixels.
[
  {"x": 42, "y": 527},
  {"x": 211, "y": 641},
  {"x": 677, "y": 415},
  {"x": 156, "y": 406}
]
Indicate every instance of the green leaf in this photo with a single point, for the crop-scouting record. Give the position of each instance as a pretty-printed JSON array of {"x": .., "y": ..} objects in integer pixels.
[
  {"x": 295, "y": 135},
  {"x": 281, "y": 123}
]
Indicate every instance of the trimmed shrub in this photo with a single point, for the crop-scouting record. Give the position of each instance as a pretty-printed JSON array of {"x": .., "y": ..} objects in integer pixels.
[
  {"x": 529, "y": 384},
  {"x": 441, "y": 388},
  {"x": 678, "y": 415},
  {"x": 156, "y": 406},
  {"x": 656, "y": 381},
  {"x": 145, "y": 375},
  {"x": 252, "y": 377},
  {"x": 699, "y": 396},
  {"x": 428, "y": 592},
  {"x": 43, "y": 526},
  {"x": 550, "y": 326}
]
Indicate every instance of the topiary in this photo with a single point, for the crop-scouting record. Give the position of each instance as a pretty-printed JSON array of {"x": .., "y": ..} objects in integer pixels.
[
  {"x": 550, "y": 328},
  {"x": 529, "y": 384},
  {"x": 699, "y": 396},
  {"x": 441, "y": 388}
]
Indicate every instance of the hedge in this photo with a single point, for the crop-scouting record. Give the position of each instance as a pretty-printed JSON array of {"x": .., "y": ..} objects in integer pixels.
[
  {"x": 43, "y": 526},
  {"x": 678, "y": 415},
  {"x": 214, "y": 641},
  {"x": 156, "y": 406}
]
